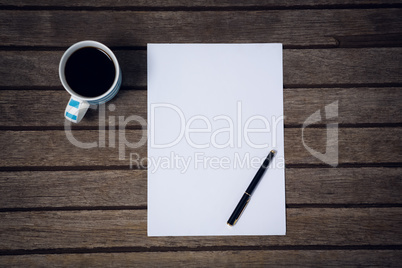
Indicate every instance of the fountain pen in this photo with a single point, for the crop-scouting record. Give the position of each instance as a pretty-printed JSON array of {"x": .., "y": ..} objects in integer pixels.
[{"x": 249, "y": 191}]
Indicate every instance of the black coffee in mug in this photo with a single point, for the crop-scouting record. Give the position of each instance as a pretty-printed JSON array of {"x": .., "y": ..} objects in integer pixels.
[{"x": 90, "y": 72}]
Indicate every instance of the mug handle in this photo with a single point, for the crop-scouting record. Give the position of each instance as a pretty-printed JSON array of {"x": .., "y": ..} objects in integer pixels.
[{"x": 76, "y": 110}]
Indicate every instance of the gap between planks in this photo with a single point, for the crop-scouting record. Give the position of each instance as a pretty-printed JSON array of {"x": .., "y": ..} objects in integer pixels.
[
  {"x": 200, "y": 8},
  {"x": 111, "y": 208},
  {"x": 125, "y": 167},
  {"x": 190, "y": 249}
]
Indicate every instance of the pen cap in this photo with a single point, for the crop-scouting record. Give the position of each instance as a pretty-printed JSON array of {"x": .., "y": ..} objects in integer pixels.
[{"x": 239, "y": 209}]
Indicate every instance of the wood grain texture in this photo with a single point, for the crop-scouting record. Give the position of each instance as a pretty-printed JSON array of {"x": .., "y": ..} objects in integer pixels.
[
  {"x": 62, "y": 205},
  {"x": 246, "y": 258},
  {"x": 128, "y": 228},
  {"x": 120, "y": 188},
  {"x": 134, "y": 28},
  {"x": 45, "y": 108},
  {"x": 52, "y": 148},
  {"x": 46, "y": 65},
  {"x": 343, "y": 186},
  {"x": 52, "y": 189},
  {"x": 301, "y": 67},
  {"x": 197, "y": 3}
]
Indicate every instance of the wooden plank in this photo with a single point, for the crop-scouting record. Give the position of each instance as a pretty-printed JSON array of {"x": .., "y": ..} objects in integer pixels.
[
  {"x": 120, "y": 188},
  {"x": 127, "y": 228},
  {"x": 361, "y": 145},
  {"x": 21, "y": 63},
  {"x": 46, "y": 65},
  {"x": 343, "y": 186},
  {"x": 53, "y": 148},
  {"x": 291, "y": 27},
  {"x": 230, "y": 258},
  {"x": 115, "y": 188},
  {"x": 301, "y": 67},
  {"x": 341, "y": 66},
  {"x": 45, "y": 108},
  {"x": 197, "y": 3},
  {"x": 355, "y": 105}
]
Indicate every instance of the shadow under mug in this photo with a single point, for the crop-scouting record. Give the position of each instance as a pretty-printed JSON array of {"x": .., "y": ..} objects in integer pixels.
[{"x": 78, "y": 104}]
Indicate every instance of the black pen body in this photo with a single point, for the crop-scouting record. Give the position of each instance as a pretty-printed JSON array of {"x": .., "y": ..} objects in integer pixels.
[
  {"x": 250, "y": 189},
  {"x": 239, "y": 209},
  {"x": 260, "y": 173}
]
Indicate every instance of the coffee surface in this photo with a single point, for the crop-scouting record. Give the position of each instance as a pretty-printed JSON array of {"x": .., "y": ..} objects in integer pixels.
[{"x": 90, "y": 72}]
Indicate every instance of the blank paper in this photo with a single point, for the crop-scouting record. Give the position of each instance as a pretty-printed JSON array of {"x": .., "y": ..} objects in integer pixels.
[{"x": 214, "y": 113}]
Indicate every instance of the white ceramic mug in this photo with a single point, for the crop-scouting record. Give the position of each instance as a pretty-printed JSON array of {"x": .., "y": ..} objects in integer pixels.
[{"x": 78, "y": 105}]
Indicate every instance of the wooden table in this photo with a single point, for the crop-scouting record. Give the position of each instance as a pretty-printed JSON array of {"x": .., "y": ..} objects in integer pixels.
[{"x": 61, "y": 205}]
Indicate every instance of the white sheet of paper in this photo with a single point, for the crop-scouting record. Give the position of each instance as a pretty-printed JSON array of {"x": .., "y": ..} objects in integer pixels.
[{"x": 214, "y": 113}]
